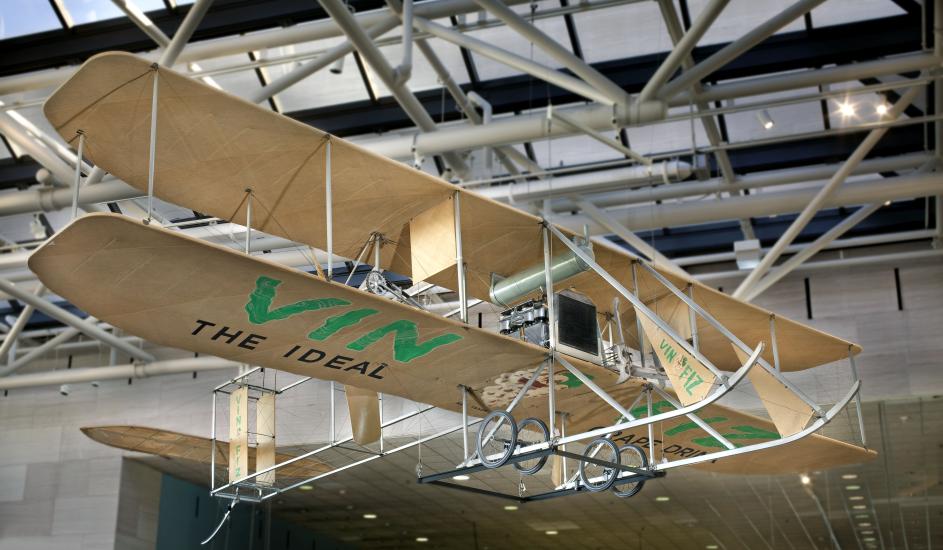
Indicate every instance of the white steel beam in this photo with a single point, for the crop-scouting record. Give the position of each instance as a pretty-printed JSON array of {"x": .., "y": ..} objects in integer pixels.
[
  {"x": 682, "y": 49},
  {"x": 115, "y": 372},
  {"x": 824, "y": 193},
  {"x": 737, "y": 47},
  {"x": 192, "y": 20},
  {"x": 10, "y": 338},
  {"x": 372, "y": 55},
  {"x": 71, "y": 319},
  {"x": 515, "y": 61}
]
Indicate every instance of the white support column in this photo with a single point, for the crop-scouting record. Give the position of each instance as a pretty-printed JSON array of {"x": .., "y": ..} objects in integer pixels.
[
  {"x": 822, "y": 196},
  {"x": 459, "y": 257},
  {"x": 152, "y": 147},
  {"x": 11, "y": 337},
  {"x": 77, "y": 181}
]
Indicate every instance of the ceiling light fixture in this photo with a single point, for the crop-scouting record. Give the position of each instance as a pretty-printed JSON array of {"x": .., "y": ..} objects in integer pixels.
[
  {"x": 461, "y": 478},
  {"x": 881, "y": 109},
  {"x": 662, "y": 499},
  {"x": 859, "y": 507},
  {"x": 864, "y": 524},
  {"x": 857, "y": 497},
  {"x": 510, "y": 507},
  {"x": 550, "y": 532},
  {"x": 369, "y": 516},
  {"x": 852, "y": 487},
  {"x": 765, "y": 120},
  {"x": 805, "y": 479},
  {"x": 846, "y": 108},
  {"x": 711, "y": 547},
  {"x": 849, "y": 476},
  {"x": 338, "y": 66},
  {"x": 422, "y": 539},
  {"x": 306, "y": 487}
]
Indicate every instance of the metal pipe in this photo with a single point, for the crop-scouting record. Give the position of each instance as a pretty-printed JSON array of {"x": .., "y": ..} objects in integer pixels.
[
  {"x": 818, "y": 201},
  {"x": 737, "y": 47},
  {"x": 638, "y": 218},
  {"x": 665, "y": 171},
  {"x": 810, "y": 250},
  {"x": 329, "y": 206},
  {"x": 184, "y": 32},
  {"x": 682, "y": 49},
  {"x": 152, "y": 147},
  {"x": 94, "y": 374},
  {"x": 59, "y": 169},
  {"x": 405, "y": 69},
  {"x": 561, "y": 55},
  {"x": 372, "y": 55},
  {"x": 459, "y": 257},
  {"x": 70, "y": 319},
  {"x": 591, "y": 132},
  {"x": 631, "y": 238},
  {"x": 518, "y": 62},
  {"x": 10, "y": 338},
  {"x": 77, "y": 182}
]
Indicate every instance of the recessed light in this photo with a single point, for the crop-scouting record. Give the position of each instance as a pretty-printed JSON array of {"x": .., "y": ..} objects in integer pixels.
[
  {"x": 846, "y": 109},
  {"x": 711, "y": 547},
  {"x": 869, "y": 539},
  {"x": 422, "y": 539},
  {"x": 861, "y": 516},
  {"x": 852, "y": 487},
  {"x": 849, "y": 476},
  {"x": 662, "y": 499},
  {"x": 369, "y": 516},
  {"x": 864, "y": 524},
  {"x": 550, "y": 532},
  {"x": 859, "y": 507},
  {"x": 461, "y": 478},
  {"x": 805, "y": 479},
  {"x": 510, "y": 507},
  {"x": 881, "y": 109},
  {"x": 868, "y": 532},
  {"x": 306, "y": 487},
  {"x": 856, "y": 497}
]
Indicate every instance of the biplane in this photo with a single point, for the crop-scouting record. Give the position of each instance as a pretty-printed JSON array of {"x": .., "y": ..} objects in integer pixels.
[{"x": 595, "y": 347}]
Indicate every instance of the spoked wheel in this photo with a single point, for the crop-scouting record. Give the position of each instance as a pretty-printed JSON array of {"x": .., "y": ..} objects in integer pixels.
[
  {"x": 634, "y": 456},
  {"x": 531, "y": 431},
  {"x": 597, "y": 477},
  {"x": 497, "y": 439}
]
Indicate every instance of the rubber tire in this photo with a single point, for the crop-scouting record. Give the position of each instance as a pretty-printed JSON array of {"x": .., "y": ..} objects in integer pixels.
[
  {"x": 543, "y": 460},
  {"x": 637, "y": 486},
  {"x": 612, "y": 478},
  {"x": 509, "y": 450}
]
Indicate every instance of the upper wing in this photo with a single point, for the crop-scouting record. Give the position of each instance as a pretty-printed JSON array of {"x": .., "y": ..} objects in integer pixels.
[
  {"x": 212, "y": 146},
  {"x": 190, "y": 447}
]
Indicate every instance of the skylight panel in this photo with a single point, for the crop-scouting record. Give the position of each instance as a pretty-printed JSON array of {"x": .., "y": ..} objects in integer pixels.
[
  {"x": 836, "y": 12},
  {"x": 510, "y": 40},
  {"x": 622, "y": 31},
  {"x": 738, "y": 18},
  {"x": 22, "y": 17}
]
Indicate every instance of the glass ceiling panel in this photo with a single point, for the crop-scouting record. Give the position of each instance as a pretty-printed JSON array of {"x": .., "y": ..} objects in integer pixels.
[
  {"x": 89, "y": 11},
  {"x": 835, "y": 12},
  {"x": 20, "y": 17},
  {"x": 739, "y": 17},
  {"x": 241, "y": 83},
  {"x": 622, "y": 31},
  {"x": 513, "y": 42},
  {"x": 667, "y": 137}
]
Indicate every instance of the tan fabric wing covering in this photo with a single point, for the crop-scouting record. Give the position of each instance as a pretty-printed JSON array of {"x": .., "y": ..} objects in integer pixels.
[
  {"x": 213, "y": 146},
  {"x": 364, "y": 408},
  {"x": 175, "y": 445},
  {"x": 788, "y": 411},
  {"x": 432, "y": 241}
]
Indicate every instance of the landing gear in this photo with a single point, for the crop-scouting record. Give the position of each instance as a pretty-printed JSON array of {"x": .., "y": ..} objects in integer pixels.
[
  {"x": 634, "y": 456},
  {"x": 497, "y": 439},
  {"x": 595, "y": 475},
  {"x": 531, "y": 431}
]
